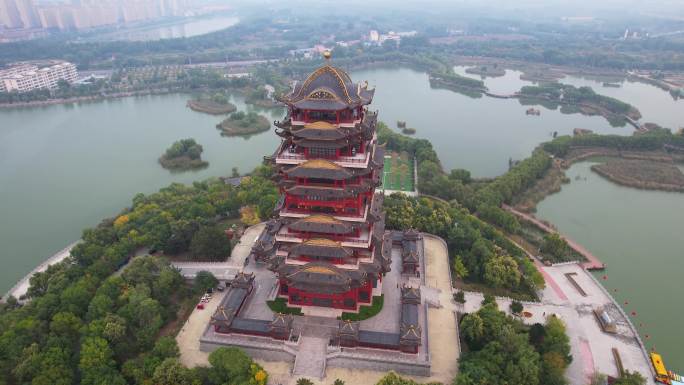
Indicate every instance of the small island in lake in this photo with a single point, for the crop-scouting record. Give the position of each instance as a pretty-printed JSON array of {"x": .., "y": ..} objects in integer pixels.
[
  {"x": 405, "y": 130},
  {"x": 185, "y": 154},
  {"x": 541, "y": 75},
  {"x": 581, "y": 100},
  {"x": 240, "y": 123},
  {"x": 642, "y": 174},
  {"x": 492, "y": 71},
  {"x": 216, "y": 105},
  {"x": 462, "y": 84}
]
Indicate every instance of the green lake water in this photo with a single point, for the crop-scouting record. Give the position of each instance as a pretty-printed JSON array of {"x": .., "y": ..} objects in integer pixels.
[
  {"x": 480, "y": 135},
  {"x": 64, "y": 168},
  {"x": 638, "y": 234}
]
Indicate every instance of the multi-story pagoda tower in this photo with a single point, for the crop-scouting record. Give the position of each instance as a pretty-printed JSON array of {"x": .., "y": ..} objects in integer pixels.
[{"x": 326, "y": 244}]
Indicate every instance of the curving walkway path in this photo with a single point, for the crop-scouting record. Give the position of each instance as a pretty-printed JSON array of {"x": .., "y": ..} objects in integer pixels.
[
  {"x": 593, "y": 263},
  {"x": 21, "y": 287}
]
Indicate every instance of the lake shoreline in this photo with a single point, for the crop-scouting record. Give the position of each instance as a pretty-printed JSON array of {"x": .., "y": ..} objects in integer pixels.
[
  {"x": 552, "y": 181},
  {"x": 92, "y": 98},
  {"x": 21, "y": 287},
  {"x": 621, "y": 175},
  {"x": 209, "y": 107}
]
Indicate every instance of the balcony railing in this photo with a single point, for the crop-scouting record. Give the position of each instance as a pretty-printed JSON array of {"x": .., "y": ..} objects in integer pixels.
[
  {"x": 359, "y": 158},
  {"x": 308, "y": 211},
  {"x": 285, "y": 234}
]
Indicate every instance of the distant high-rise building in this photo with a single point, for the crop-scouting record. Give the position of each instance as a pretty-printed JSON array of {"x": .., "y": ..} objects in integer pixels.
[
  {"x": 170, "y": 7},
  {"x": 28, "y": 13},
  {"x": 83, "y": 14},
  {"x": 49, "y": 17},
  {"x": 374, "y": 36},
  {"x": 9, "y": 14}
]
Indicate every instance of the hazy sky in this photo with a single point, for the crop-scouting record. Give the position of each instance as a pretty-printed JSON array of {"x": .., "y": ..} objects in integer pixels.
[{"x": 598, "y": 8}]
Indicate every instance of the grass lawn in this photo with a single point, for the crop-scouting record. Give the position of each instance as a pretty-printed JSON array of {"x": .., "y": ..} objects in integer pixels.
[
  {"x": 399, "y": 172},
  {"x": 366, "y": 312},
  {"x": 279, "y": 305}
]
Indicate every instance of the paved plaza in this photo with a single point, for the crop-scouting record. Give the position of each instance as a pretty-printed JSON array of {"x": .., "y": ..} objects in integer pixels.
[
  {"x": 591, "y": 348},
  {"x": 312, "y": 357},
  {"x": 228, "y": 269}
]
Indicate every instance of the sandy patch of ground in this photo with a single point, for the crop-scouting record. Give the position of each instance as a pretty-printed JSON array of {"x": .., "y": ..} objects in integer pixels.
[
  {"x": 189, "y": 336},
  {"x": 442, "y": 327}
]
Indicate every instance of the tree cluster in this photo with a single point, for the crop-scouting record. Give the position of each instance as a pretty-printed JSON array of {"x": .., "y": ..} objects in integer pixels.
[
  {"x": 650, "y": 141},
  {"x": 184, "y": 147},
  {"x": 480, "y": 253},
  {"x": 393, "y": 378},
  {"x": 502, "y": 350},
  {"x": 564, "y": 93},
  {"x": 85, "y": 324},
  {"x": 184, "y": 154}
]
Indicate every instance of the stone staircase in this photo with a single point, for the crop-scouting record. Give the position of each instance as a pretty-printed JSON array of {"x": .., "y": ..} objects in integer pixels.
[{"x": 311, "y": 356}]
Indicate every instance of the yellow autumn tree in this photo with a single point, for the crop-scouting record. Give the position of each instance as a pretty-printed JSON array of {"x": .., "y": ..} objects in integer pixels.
[
  {"x": 261, "y": 377},
  {"x": 249, "y": 215},
  {"x": 121, "y": 220}
]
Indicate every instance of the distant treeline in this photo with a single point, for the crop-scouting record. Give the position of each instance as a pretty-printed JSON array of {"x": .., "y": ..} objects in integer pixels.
[
  {"x": 653, "y": 140},
  {"x": 564, "y": 93}
]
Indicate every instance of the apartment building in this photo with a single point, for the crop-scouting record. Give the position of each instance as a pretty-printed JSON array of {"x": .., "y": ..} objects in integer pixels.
[{"x": 28, "y": 77}]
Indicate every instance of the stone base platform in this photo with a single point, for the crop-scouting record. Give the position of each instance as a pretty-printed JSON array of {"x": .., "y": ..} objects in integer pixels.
[{"x": 299, "y": 355}]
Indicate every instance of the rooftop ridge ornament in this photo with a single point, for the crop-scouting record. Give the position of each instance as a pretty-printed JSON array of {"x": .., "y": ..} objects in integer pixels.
[{"x": 327, "y": 55}]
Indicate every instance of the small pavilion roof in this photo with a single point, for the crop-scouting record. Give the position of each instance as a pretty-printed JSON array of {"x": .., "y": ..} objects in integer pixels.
[
  {"x": 248, "y": 325},
  {"x": 229, "y": 306},
  {"x": 409, "y": 315},
  {"x": 243, "y": 280},
  {"x": 410, "y": 335},
  {"x": 369, "y": 337},
  {"x": 409, "y": 256},
  {"x": 410, "y": 295},
  {"x": 281, "y": 321},
  {"x": 412, "y": 234},
  {"x": 349, "y": 328}
]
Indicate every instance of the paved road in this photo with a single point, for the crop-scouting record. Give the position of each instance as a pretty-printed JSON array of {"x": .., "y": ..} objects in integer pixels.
[
  {"x": 442, "y": 328},
  {"x": 228, "y": 269},
  {"x": 189, "y": 336}
]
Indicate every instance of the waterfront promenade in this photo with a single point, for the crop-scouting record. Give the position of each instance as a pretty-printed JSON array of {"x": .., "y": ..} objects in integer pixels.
[
  {"x": 572, "y": 293},
  {"x": 593, "y": 263},
  {"x": 591, "y": 348},
  {"x": 22, "y": 286}
]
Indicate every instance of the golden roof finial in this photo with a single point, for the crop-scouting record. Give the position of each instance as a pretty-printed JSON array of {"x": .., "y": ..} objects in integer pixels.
[{"x": 327, "y": 54}]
